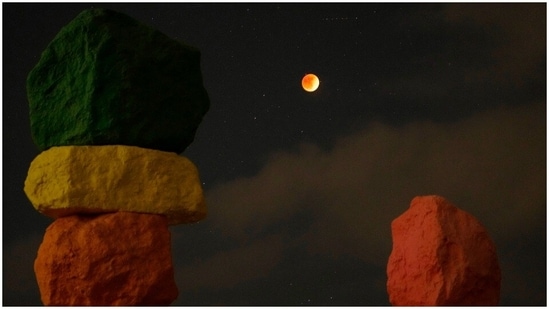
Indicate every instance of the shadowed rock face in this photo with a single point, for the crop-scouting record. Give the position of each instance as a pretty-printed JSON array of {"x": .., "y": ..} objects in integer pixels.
[
  {"x": 441, "y": 256},
  {"x": 107, "y": 79},
  {"x": 121, "y": 259}
]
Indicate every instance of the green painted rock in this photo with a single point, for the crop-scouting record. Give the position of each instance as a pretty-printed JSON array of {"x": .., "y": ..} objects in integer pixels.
[{"x": 107, "y": 79}]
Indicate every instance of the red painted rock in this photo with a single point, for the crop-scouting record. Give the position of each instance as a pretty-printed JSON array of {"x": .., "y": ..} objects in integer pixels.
[
  {"x": 119, "y": 258},
  {"x": 441, "y": 256}
]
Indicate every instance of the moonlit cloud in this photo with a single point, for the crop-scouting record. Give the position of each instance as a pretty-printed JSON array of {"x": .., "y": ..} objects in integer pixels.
[
  {"x": 491, "y": 165},
  {"x": 225, "y": 269},
  {"x": 416, "y": 99},
  {"x": 340, "y": 202},
  {"x": 18, "y": 270},
  {"x": 521, "y": 48}
]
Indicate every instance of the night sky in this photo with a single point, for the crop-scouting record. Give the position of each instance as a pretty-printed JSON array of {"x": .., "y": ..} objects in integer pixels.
[{"x": 301, "y": 188}]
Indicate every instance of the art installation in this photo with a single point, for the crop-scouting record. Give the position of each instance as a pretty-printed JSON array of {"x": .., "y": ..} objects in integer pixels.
[
  {"x": 112, "y": 104},
  {"x": 442, "y": 256}
]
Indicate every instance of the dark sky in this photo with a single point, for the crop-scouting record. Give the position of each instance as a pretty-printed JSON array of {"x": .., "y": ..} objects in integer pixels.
[{"x": 446, "y": 99}]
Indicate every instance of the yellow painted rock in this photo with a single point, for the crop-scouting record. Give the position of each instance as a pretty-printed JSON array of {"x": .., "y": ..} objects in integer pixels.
[{"x": 71, "y": 180}]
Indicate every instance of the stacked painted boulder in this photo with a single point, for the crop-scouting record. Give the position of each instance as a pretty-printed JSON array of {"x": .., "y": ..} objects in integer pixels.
[
  {"x": 442, "y": 256},
  {"x": 112, "y": 104}
]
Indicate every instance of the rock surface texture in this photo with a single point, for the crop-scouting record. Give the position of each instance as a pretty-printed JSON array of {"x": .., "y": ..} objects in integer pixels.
[
  {"x": 119, "y": 259},
  {"x": 107, "y": 79},
  {"x": 441, "y": 256},
  {"x": 71, "y": 180},
  {"x": 112, "y": 102}
]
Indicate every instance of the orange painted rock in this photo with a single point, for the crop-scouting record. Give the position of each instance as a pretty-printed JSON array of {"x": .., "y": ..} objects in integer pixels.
[
  {"x": 441, "y": 256},
  {"x": 119, "y": 258}
]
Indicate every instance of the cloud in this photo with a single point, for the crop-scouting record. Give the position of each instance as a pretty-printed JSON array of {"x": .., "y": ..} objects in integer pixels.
[
  {"x": 521, "y": 42},
  {"x": 19, "y": 281},
  {"x": 225, "y": 269},
  {"x": 478, "y": 55},
  {"x": 340, "y": 202},
  {"x": 497, "y": 155}
]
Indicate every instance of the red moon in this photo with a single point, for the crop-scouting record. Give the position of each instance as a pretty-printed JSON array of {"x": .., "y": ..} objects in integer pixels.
[{"x": 310, "y": 82}]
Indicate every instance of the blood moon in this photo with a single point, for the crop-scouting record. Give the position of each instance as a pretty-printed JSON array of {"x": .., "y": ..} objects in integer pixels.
[{"x": 310, "y": 82}]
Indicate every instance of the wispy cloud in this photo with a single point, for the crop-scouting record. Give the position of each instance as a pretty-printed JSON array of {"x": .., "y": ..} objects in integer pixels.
[
  {"x": 19, "y": 281},
  {"x": 521, "y": 47},
  {"x": 225, "y": 269},
  {"x": 341, "y": 202}
]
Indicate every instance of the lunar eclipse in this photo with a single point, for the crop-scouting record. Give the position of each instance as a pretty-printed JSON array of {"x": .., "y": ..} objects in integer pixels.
[
  {"x": 407, "y": 89},
  {"x": 310, "y": 82}
]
